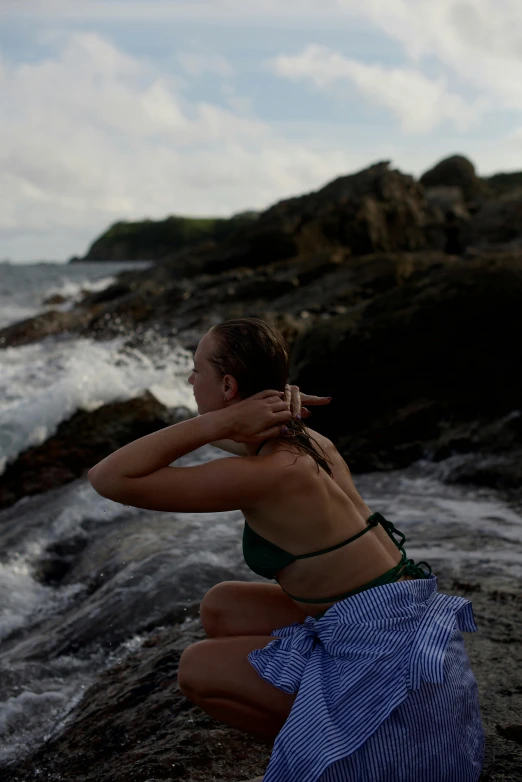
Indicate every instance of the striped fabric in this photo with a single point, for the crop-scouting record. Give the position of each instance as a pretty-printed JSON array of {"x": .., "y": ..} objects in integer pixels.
[{"x": 385, "y": 690}]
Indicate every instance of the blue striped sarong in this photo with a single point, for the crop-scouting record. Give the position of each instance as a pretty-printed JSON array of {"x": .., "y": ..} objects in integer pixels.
[{"x": 385, "y": 692}]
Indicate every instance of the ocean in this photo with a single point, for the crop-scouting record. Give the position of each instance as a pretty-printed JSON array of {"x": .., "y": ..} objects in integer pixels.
[{"x": 134, "y": 570}]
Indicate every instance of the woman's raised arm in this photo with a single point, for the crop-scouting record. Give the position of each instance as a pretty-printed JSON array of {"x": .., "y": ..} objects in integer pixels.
[{"x": 238, "y": 449}]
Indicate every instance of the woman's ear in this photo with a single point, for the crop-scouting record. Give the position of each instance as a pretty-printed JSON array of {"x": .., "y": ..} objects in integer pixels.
[{"x": 229, "y": 387}]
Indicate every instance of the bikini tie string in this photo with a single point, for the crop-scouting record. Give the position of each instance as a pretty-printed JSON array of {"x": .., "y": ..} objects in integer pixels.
[{"x": 410, "y": 567}]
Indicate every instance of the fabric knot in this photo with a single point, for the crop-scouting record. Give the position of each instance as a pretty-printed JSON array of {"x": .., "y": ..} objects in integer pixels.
[
  {"x": 284, "y": 660},
  {"x": 300, "y": 637}
]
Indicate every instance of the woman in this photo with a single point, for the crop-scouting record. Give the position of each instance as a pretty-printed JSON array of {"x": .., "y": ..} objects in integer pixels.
[{"x": 352, "y": 662}]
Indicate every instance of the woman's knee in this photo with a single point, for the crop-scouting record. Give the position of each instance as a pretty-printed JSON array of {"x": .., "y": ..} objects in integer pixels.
[
  {"x": 187, "y": 671},
  {"x": 212, "y": 610},
  {"x": 246, "y": 608}
]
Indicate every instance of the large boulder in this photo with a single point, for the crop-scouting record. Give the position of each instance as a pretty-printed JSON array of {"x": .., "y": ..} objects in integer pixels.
[
  {"x": 81, "y": 442},
  {"x": 376, "y": 209},
  {"x": 441, "y": 347},
  {"x": 455, "y": 171}
]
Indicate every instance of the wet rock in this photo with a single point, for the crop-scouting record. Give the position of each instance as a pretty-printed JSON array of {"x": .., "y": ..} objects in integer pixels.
[
  {"x": 81, "y": 442},
  {"x": 129, "y": 598},
  {"x": 114, "y": 291},
  {"x": 134, "y": 725},
  {"x": 58, "y": 559},
  {"x": 43, "y": 325},
  {"x": 125, "y": 570},
  {"x": 501, "y": 471},
  {"x": 56, "y": 298}
]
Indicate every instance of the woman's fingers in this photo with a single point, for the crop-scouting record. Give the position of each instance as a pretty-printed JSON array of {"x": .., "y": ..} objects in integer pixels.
[
  {"x": 309, "y": 399},
  {"x": 283, "y": 415},
  {"x": 288, "y": 395},
  {"x": 278, "y": 405},
  {"x": 296, "y": 402},
  {"x": 293, "y": 399}
]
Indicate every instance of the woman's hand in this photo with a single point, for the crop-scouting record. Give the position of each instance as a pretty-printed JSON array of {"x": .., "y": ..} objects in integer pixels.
[
  {"x": 257, "y": 418},
  {"x": 295, "y": 400},
  {"x": 265, "y": 414}
]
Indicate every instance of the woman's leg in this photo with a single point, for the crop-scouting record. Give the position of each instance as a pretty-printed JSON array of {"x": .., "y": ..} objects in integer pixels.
[
  {"x": 216, "y": 675},
  {"x": 243, "y": 608}
]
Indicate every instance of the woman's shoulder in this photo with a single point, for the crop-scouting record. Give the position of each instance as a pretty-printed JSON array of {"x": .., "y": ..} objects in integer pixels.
[
  {"x": 317, "y": 440},
  {"x": 296, "y": 462}
]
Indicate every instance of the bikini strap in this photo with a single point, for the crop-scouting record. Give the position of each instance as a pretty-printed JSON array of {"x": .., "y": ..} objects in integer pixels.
[{"x": 373, "y": 520}]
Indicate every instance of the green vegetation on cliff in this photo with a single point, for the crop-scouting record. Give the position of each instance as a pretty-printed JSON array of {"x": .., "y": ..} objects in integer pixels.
[{"x": 155, "y": 239}]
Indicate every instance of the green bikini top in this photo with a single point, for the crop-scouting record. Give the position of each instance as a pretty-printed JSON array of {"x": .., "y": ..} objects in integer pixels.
[{"x": 267, "y": 559}]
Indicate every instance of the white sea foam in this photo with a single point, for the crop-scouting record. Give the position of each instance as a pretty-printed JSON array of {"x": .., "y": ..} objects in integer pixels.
[
  {"x": 45, "y": 383},
  {"x": 25, "y": 601},
  {"x": 13, "y": 712},
  {"x": 14, "y": 312},
  {"x": 72, "y": 292}
]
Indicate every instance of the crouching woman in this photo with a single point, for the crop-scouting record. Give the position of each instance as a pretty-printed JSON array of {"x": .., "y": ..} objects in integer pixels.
[{"x": 351, "y": 662}]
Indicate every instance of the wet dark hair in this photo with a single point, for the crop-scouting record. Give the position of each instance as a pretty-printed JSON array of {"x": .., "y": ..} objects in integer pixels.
[{"x": 256, "y": 355}]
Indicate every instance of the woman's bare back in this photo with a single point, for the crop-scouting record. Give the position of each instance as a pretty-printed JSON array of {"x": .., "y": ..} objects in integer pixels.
[{"x": 315, "y": 513}]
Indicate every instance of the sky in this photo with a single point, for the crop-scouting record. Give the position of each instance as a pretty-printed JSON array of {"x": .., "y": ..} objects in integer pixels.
[{"x": 130, "y": 109}]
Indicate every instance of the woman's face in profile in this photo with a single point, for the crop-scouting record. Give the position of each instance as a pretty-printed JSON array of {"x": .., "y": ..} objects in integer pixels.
[{"x": 208, "y": 388}]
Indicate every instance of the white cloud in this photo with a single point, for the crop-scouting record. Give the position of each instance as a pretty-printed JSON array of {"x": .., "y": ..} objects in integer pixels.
[
  {"x": 231, "y": 11},
  {"x": 475, "y": 44},
  {"x": 197, "y": 63},
  {"x": 478, "y": 41},
  {"x": 420, "y": 103},
  {"x": 93, "y": 135}
]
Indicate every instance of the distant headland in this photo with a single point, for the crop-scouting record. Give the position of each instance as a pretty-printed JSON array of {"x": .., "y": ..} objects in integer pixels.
[{"x": 453, "y": 182}]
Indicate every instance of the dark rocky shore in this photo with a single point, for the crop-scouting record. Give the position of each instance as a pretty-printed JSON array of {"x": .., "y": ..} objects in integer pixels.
[
  {"x": 134, "y": 725},
  {"x": 400, "y": 299}
]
